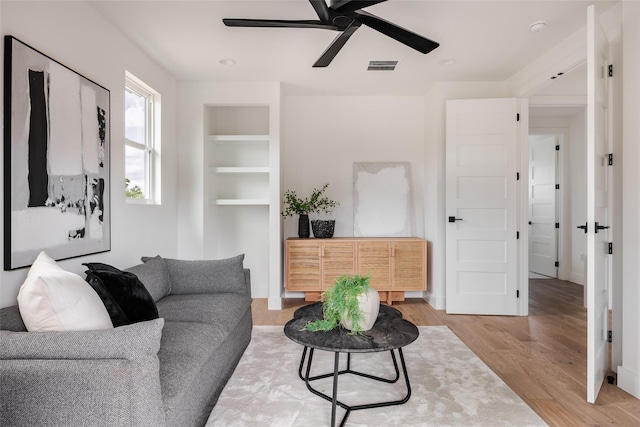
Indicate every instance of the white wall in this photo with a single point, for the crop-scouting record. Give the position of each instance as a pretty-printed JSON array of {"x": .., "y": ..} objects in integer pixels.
[
  {"x": 324, "y": 136},
  {"x": 629, "y": 372},
  {"x": 75, "y": 35}
]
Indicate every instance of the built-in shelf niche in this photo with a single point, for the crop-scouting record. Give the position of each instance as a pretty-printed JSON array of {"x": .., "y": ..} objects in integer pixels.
[
  {"x": 237, "y": 191},
  {"x": 238, "y": 141}
]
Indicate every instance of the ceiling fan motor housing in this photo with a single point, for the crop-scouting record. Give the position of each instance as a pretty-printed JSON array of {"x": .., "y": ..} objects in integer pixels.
[{"x": 342, "y": 21}]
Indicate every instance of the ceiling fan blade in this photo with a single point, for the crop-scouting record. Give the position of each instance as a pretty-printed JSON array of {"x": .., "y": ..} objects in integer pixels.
[
  {"x": 322, "y": 10},
  {"x": 346, "y": 6},
  {"x": 409, "y": 38},
  {"x": 335, "y": 46},
  {"x": 277, "y": 23}
]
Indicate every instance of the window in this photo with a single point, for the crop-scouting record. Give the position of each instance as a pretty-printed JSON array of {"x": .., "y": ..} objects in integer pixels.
[{"x": 142, "y": 142}]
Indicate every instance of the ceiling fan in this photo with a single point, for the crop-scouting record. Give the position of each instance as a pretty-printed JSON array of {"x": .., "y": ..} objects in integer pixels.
[{"x": 344, "y": 16}]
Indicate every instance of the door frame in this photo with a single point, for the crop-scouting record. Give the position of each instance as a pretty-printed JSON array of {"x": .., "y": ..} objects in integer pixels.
[{"x": 522, "y": 192}]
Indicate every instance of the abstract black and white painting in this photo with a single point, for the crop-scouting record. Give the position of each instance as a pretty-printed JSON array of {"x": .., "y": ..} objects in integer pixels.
[{"x": 56, "y": 159}]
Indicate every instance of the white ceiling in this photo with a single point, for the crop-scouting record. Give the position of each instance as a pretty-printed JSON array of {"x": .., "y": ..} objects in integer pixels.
[{"x": 490, "y": 40}]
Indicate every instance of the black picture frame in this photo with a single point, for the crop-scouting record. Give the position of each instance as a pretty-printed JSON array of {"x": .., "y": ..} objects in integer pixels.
[{"x": 56, "y": 159}]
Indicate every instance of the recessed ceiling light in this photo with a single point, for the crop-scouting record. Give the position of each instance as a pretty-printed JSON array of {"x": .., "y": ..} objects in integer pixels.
[
  {"x": 227, "y": 61},
  {"x": 538, "y": 26},
  {"x": 447, "y": 62}
]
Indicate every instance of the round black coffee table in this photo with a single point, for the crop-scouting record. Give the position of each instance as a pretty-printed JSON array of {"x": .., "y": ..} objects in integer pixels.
[{"x": 390, "y": 333}]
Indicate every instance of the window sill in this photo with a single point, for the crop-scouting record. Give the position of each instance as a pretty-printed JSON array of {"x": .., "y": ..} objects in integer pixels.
[{"x": 141, "y": 202}]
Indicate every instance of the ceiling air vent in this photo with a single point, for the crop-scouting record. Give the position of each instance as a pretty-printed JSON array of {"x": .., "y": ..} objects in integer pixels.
[{"x": 382, "y": 65}]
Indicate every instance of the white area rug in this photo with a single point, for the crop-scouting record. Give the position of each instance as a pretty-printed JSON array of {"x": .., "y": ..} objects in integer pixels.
[{"x": 450, "y": 386}]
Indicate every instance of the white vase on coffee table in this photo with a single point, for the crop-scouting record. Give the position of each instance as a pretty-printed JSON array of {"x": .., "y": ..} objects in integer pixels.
[{"x": 369, "y": 303}]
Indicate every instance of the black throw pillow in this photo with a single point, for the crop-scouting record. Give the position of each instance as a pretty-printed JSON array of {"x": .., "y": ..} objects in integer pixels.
[{"x": 123, "y": 294}]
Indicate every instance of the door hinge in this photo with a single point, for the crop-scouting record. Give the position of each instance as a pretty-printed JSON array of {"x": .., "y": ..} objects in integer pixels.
[
  {"x": 517, "y": 117},
  {"x": 557, "y": 186},
  {"x": 610, "y": 156},
  {"x": 517, "y": 176},
  {"x": 610, "y": 248},
  {"x": 517, "y": 235},
  {"x": 557, "y": 147},
  {"x": 557, "y": 225},
  {"x": 518, "y": 293},
  {"x": 557, "y": 264},
  {"x": 610, "y": 336},
  {"x": 610, "y": 70}
]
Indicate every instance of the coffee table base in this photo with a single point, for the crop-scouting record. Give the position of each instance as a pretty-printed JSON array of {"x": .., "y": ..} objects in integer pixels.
[{"x": 337, "y": 372}]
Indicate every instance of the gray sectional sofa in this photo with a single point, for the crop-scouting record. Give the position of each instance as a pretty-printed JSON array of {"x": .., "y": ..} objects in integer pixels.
[{"x": 168, "y": 371}]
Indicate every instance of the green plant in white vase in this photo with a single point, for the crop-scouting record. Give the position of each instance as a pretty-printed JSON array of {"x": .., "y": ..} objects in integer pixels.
[{"x": 350, "y": 303}]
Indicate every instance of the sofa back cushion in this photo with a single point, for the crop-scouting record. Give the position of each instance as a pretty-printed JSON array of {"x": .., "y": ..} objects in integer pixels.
[
  {"x": 154, "y": 276},
  {"x": 10, "y": 319},
  {"x": 207, "y": 276}
]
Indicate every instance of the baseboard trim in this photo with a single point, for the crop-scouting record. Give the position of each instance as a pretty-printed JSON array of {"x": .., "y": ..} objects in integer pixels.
[
  {"x": 577, "y": 278},
  {"x": 629, "y": 381},
  {"x": 437, "y": 302},
  {"x": 274, "y": 303}
]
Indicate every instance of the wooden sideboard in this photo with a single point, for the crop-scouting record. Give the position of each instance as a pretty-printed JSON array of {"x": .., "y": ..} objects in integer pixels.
[{"x": 395, "y": 264}]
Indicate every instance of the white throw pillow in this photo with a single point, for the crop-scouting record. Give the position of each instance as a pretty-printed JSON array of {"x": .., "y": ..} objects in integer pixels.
[{"x": 53, "y": 299}]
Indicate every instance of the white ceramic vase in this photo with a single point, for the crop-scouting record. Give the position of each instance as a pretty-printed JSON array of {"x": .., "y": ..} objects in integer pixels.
[{"x": 369, "y": 306}]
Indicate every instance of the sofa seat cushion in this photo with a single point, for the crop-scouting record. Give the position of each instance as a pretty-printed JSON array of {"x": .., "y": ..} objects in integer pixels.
[
  {"x": 223, "y": 310},
  {"x": 185, "y": 350}
]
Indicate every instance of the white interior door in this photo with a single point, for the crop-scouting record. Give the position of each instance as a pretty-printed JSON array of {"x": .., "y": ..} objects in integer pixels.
[
  {"x": 543, "y": 236},
  {"x": 481, "y": 254},
  {"x": 597, "y": 199}
]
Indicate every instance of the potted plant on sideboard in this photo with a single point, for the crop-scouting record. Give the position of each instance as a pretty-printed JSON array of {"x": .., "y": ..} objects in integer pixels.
[{"x": 316, "y": 203}]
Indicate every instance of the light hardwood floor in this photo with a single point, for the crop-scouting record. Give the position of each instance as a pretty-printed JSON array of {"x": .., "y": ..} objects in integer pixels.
[{"x": 542, "y": 357}]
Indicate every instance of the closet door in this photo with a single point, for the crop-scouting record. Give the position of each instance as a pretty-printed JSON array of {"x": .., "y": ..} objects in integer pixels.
[{"x": 482, "y": 201}]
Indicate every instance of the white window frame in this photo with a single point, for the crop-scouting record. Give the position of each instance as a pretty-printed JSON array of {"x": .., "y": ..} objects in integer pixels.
[{"x": 151, "y": 147}]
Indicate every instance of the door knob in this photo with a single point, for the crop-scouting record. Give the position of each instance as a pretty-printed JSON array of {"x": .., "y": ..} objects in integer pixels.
[
  {"x": 583, "y": 227},
  {"x": 601, "y": 227},
  {"x": 454, "y": 219}
]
